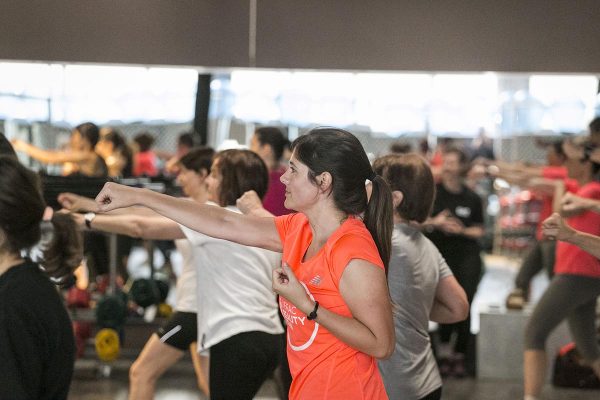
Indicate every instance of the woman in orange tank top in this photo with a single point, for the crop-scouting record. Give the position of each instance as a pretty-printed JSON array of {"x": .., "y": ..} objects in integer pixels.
[{"x": 332, "y": 284}]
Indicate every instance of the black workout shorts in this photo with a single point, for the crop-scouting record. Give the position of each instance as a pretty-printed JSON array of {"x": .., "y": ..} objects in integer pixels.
[{"x": 179, "y": 331}]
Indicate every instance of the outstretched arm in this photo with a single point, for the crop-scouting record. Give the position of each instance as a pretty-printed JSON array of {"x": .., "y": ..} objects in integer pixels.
[
  {"x": 154, "y": 227},
  {"x": 209, "y": 220},
  {"x": 49, "y": 156},
  {"x": 75, "y": 203}
]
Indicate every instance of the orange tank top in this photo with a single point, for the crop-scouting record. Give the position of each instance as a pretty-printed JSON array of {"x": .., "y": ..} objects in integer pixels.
[{"x": 322, "y": 366}]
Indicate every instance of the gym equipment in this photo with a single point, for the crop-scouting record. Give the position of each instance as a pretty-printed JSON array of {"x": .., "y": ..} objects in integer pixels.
[
  {"x": 78, "y": 298},
  {"x": 163, "y": 288},
  {"x": 123, "y": 296},
  {"x": 165, "y": 310},
  {"x": 111, "y": 311},
  {"x": 144, "y": 292},
  {"x": 103, "y": 283},
  {"x": 82, "y": 331},
  {"x": 570, "y": 371},
  {"x": 107, "y": 344}
]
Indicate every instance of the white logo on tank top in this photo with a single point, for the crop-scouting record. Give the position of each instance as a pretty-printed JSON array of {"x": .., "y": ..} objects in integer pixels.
[
  {"x": 316, "y": 280},
  {"x": 292, "y": 319}
]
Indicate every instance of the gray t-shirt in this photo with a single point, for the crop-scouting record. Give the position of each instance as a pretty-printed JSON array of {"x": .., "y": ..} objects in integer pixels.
[{"x": 416, "y": 267}]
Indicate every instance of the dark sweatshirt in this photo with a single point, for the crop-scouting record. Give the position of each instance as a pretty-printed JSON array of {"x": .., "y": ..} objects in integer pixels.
[{"x": 37, "y": 348}]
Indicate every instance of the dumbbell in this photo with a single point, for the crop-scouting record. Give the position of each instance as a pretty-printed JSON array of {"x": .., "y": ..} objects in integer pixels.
[
  {"x": 165, "y": 310},
  {"x": 111, "y": 311},
  {"x": 108, "y": 344},
  {"x": 81, "y": 330},
  {"x": 163, "y": 289},
  {"x": 78, "y": 298},
  {"x": 145, "y": 292}
]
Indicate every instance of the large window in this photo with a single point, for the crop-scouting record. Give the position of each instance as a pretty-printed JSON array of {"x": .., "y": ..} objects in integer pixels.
[
  {"x": 568, "y": 101},
  {"x": 75, "y": 93},
  {"x": 397, "y": 104},
  {"x": 390, "y": 104}
]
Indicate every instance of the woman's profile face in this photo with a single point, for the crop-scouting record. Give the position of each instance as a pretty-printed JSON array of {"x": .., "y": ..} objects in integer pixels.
[
  {"x": 104, "y": 147},
  {"x": 76, "y": 140},
  {"x": 574, "y": 155},
  {"x": 190, "y": 181},
  {"x": 451, "y": 165},
  {"x": 300, "y": 191}
]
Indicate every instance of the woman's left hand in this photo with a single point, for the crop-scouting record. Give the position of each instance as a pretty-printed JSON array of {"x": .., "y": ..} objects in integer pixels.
[
  {"x": 249, "y": 202},
  {"x": 287, "y": 285}
]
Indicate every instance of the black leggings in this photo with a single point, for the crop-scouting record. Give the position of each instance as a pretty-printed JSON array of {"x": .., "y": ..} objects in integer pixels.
[
  {"x": 572, "y": 297},
  {"x": 541, "y": 256},
  {"x": 240, "y": 364}
]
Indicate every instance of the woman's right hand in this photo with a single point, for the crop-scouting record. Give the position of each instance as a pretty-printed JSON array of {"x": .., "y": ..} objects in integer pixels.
[
  {"x": 287, "y": 285},
  {"x": 574, "y": 204},
  {"x": 114, "y": 196}
]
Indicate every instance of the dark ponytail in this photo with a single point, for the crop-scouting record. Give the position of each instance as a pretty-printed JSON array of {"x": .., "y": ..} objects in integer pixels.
[
  {"x": 63, "y": 253},
  {"x": 341, "y": 154},
  {"x": 379, "y": 218},
  {"x": 21, "y": 211}
]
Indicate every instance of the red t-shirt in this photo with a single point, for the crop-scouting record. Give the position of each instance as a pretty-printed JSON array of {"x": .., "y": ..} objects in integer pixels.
[
  {"x": 322, "y": 366},
  {"x": 145, "y": 163},
  {"x": 437, "y": 159},
  {"x": 558, "y": 173},
  {"x": 275, "y": 196},
  {"x": 570, "y": 259}
]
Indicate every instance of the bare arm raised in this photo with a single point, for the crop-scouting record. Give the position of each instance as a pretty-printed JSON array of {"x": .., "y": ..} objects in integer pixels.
[
  {"x": 75, "y": 203},
  {"x": 209, "y": 220},
  {"x": 49, "y": 156},
  {"x": 154, "y": 227}
]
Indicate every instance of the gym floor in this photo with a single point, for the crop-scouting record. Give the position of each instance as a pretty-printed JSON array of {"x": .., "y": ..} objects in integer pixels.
[{"x": 179, "y": 383}]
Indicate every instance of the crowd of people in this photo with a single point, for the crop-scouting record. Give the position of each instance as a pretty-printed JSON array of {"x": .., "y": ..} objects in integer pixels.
[
  {"x": 324, "y": 266},
  {"x": 96, "y": 152}
]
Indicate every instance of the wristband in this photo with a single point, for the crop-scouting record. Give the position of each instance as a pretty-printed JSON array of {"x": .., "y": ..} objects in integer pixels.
[{"x": 313, "y": 313}]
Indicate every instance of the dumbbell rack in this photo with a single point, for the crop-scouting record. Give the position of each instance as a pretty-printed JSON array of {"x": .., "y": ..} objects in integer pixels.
[
  {"x": 104, "y": 369},
  {"x": 137, "y": 325}
]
